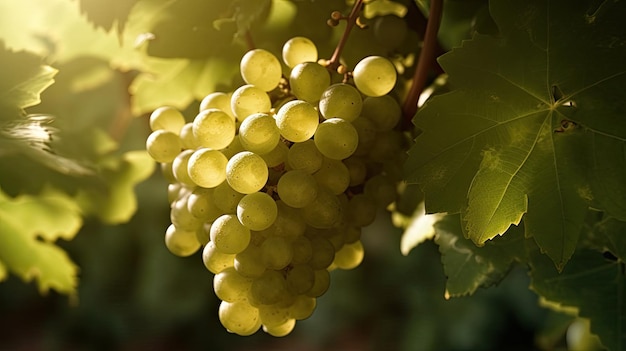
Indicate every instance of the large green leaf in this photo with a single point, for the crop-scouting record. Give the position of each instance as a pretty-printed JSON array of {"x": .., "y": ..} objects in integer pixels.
[
  {"x": 29, "y": 226},
  {"x": 528, "y": 129},
  {"x": 593, "y": 285}
]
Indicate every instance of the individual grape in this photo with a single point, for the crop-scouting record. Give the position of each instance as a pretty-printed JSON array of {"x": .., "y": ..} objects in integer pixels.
[
  {"x": 349, "y": 256},
  {"x": 201, "y": 205},
  {"x": 302, "y": 250},
  {"x": 268, "y": 289},
  {"x": 390, "y": 31},
  {"x": 260, "y": 68},
  {"x": 257, "y": 211},
  {"x": 182, "y": 218},
  {"x": 246, "y": 172},
  {"x": 214, "y": 260},
  {"x": 303, "y": 307},
  {"x": 239, "y": 317},
  {"x": 351, "y": 234},
  {"x": 341, "y": 101},
  {"x": 207, "y": 168},
  {"x": 384, "y": 111},
  {"x": 277, "y": 156},
  {"x": 229, "y": 235},
  {"x": 322, "y": 281},
  {"x": 258, "y": 133},
  {"x": 361, "y": 210},
  {"x": 308, "y": 80},
  {"x": 180, "y": 242},
  {"x": 289, "y": 223},
  {"x": 357, "y": 170},
  {"x": 374, "y": 76},
  {"x": 366, "y": 129},
  {"x": 218, "y": 100},
  {"x": 300, "y": 278},
  {"x": 180, "y": 170},
  {"x": 187, "y": 138},
  {"x": 230, "y": 286},
  {"x": 202, "y": 234},
  {"x": 297, "y": 50},
  {"x": 226, "y": 198},
  {"x": 248, "y": 262},
  {"x": 173, "y": 191},
  {"x": 233, "y": 148},
  {"x": 214, "y": 129},
  {"x": 281, "y": 329},
  {"x": 336, "y": 138},
  {"x": 305, "y": 156},
  {"x": 248, "y": 100},
  {"x": 382, "y": 189},
  {"x": 333, "y": 175},
  {"x": 297, "y": 188},
  {"x": 323, "y": 252},
  {"x": 167, "y": 118},
  {"x": 163, "y": 146},
  {"x": 297, "y": 120},
  {"x": 273, "y": 315},
  {"x": 324, "y": 212},
  {"x": 276, "y": 252}
]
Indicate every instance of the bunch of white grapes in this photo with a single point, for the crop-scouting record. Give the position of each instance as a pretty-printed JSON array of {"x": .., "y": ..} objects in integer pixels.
[{"x": 276, "y": 180}]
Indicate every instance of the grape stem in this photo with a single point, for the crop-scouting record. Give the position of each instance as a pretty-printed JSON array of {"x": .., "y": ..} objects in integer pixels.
[
  {"x": 426, "y": 58},
  {"x": 351, "y": 21}
]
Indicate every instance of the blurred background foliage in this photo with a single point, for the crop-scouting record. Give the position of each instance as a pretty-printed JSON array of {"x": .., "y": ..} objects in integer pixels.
[{"x": 118, "y": 60}]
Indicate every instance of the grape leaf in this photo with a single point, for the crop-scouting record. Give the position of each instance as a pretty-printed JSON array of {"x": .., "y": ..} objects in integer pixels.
[
  {"x": 105, "y": 14},
  {"x": 29, "y": 225},
  {"x": 24, "y": 77},
  {"x": 469, "y": 267},
  {"x": 533, "y": 111},
  {"x": 593, "y": 285}
]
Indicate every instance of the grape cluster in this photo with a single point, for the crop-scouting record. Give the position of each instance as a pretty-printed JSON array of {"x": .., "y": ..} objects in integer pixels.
[{"x": 276, "y": 179}]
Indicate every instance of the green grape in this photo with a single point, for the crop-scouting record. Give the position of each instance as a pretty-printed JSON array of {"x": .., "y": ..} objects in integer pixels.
[
  {"x": 239, "y": 317},
  {"x": 258, "y": 133},
  {"x": 351, "y": 234},
  {"x": 248, "y": 262},
  {"x": 341, "y": 101},
  {"x": 181, "y": 242},
  {"x": 173, "y": 192},
  {"x": 333, "y": 235},
  {"x": 187, "y": 138},
  {"x": 384, "y": 111},
  {"x": 297, "y": 188},
  {"x": 202, "y": 234},
  {"x": 297, "y": 121},
  {"x": 226, "y": 198},
  {"x": 201, "y": 205},
  {"x": 214, "y": 260},
  {"x": 273, "y": 315},
  {"x": 261, "y": 68},
  {"x": 257, "y": 211},
  {"x": 305, "y": 156},
  {"x": 300, "y": 278},
  {"x": 323, "y": 253},
  {"x": 248, "y": 100},
  {"x": 325, "y": 211},
  {"x": 163, "y": 146},
  {"x": 374, "y": 76},
  {"x": 182, "y": 218},
  {"x": 333, "y": 175},
  {"x": 386, "y": 146},
  {"x": 390, "y": 31},
  {"x": 303, "y": 307},
  {"x": 289, "y": 223},
  {"x": 231, "y": 286},
  {"x": 308, "y": 80},
  {"x": 281, "y": 329},
  {"x": 366, "y": 129},
  {"x": 322, "y": 281},
  {"x": 357, "y": 170},
  {"x": 246, "y": 172},
  {"x": 214, "y": 129},
  {"x": 268, "y": 289},
  {"x": 233, "y": 148},
  {"x": 218, "y": 100},
  {"x": 302, "y": 250},
  {"x": 336, "y": 138},
  {"x": 167, "y": 118},
  {"x": 276, "y": 252},
  {"x": 361, "y": 210},
  {"x": 179, "y": 168},
  {"x": 207, "y": 168},
  {"x": 297, "y": 50},
  {"x": 382, "y": 189},
  {"x": 349, "y": 256},
  {"x": 277, "y": 156},
  {"x": 229, "y": 235}
]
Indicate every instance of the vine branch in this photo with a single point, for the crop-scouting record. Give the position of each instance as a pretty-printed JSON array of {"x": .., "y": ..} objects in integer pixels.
[
  {"x": 426, "y": 58},
  {"x": 351, "y": 21}
]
